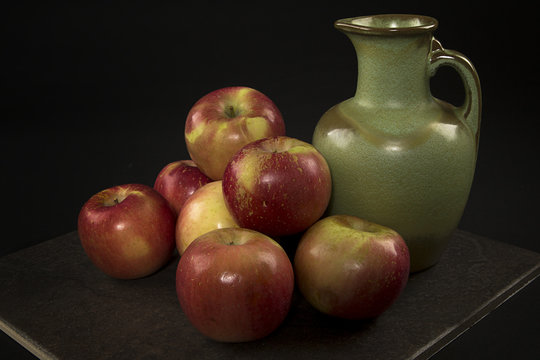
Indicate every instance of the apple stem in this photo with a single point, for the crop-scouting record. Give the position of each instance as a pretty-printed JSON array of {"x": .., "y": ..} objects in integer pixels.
[{"x": 230, "y": 111}]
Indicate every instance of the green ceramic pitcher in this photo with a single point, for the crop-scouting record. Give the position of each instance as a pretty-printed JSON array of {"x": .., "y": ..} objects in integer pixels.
[{"x": 398, "y": 156}]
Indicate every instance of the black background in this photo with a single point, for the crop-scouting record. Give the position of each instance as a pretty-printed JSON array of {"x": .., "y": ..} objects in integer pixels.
[{"x": 95, "y": 94}]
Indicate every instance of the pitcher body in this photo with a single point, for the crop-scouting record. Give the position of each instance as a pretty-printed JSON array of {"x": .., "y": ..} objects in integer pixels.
[{"x": 398, "y": 156}]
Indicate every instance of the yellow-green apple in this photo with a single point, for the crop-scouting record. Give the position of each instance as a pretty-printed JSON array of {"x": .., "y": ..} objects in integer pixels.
[
  {"x": 278, "y": 186},
  {"x": 177, "y": 181},
  {"x": 235, "y": 284},
  {"x": 223, "y": 121},
  {"x": 127, "y": 231},
  {"x": 351, "y": 268},
  {"x": 203, "y": 211}
]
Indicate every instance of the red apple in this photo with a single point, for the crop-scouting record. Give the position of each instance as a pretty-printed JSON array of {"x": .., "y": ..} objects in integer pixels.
[
  {"x": 178, "y": 180},
  {"x": 127, "y": 231},
  {"x": 351, "y": 268},
  {"x": 235, "y": 284},
  {"x": 223, "y": 121},
  {"x": 278, "y": 186},
  {"x": 204, "y": 211}
]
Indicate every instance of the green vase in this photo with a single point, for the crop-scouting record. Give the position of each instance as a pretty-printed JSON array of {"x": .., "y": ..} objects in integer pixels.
[{"x": 398, "y": 156}]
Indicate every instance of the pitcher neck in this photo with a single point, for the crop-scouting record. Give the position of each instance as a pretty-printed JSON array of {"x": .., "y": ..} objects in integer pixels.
[
  {"x": 392, "y": 52},
  {"x": 392, "y": 70}
]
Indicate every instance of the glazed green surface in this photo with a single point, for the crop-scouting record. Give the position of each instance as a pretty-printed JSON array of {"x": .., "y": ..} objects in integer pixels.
[{"x": 398, "y": 156}]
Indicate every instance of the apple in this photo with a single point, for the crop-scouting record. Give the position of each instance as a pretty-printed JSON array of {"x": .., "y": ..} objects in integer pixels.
[
  {"x": 235, "y": 284},
  {"x": 223, "y": 121},
  {"x": 351, "y": 268},
  {"x": 278, "y": 186},
  {"x": 178, "y": 180},
  {"x": 203, "y": 211},
  {"x": 127, "y": 231}
]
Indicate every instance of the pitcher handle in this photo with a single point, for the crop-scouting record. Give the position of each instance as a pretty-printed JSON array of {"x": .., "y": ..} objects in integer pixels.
[{"x": 472, "y": 106}]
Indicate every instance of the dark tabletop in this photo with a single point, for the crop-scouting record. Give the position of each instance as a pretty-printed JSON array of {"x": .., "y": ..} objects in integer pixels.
[{"x": 58, "y": 305}]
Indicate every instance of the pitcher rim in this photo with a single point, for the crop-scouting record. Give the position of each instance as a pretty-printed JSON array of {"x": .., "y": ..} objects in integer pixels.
[{"x": 388, "y": 24}]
